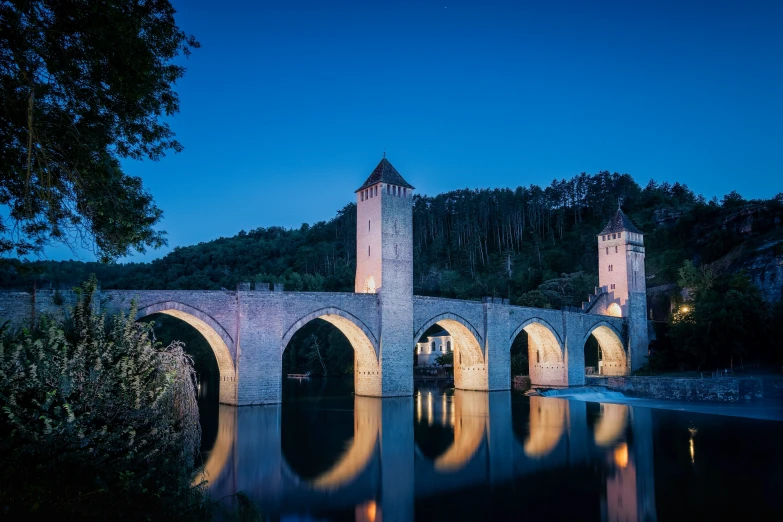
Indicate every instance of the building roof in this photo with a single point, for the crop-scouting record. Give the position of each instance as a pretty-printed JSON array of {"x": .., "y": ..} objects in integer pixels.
[
  {"x": 385, "y": 173},
  {"x": 618, "y": 223}
]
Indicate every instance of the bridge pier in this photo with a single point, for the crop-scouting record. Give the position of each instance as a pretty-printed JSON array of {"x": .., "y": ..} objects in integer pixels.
[{"x": 497, "y": 349}]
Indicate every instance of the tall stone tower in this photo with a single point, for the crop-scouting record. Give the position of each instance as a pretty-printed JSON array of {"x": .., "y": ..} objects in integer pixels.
[
  {"x": 621, "y": 271},
  {"x": 384, "y": 265}
]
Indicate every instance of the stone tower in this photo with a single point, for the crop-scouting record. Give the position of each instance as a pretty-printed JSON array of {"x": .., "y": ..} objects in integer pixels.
[
  {"x": 621, "y": 271},
  {"x": 384, "y": 265}
]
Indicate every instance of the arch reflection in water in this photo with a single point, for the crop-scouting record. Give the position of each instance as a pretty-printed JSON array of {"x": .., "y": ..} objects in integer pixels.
[
  {"x": 611, "y": 425},
  {"x": 380, "y": 474},
  {"x": 470, "y": 416},
  {"x": 367, "y": 425},
  {"x": 548, "y": 419}
]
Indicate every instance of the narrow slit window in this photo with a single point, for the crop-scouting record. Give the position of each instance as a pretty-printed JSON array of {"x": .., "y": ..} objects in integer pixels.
[
  {"x": 615, "y": 249},
  {"x": 368, "y": 250}
]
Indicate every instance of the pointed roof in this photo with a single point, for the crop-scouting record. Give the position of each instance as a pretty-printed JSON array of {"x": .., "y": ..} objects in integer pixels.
[
  {"x": 618, "y": 223},
  {"x": 385, "y": 173}
]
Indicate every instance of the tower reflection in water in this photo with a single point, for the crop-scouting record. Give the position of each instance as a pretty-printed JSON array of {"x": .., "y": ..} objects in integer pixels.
[{"x": 389, "y": 465}]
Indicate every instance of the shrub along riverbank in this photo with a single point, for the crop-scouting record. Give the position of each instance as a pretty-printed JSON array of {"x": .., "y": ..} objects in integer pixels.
[{"x": 99, "y": 421}]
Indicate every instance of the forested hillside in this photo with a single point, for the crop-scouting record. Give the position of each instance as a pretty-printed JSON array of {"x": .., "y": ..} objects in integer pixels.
[
  {"x": 467, "y": 243},
  {"x": 536, "y": 246}
]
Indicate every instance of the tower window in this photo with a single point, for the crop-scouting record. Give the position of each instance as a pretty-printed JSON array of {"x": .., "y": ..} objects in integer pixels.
[
  {"x": 368, "y": 225},
  {"x": 607, "y": 251},
  {"x": 615, "y": 249},
  {"x": 603, "y": 238},
  {"x": 361, "y": 196},
  {"x": 376, "y": 190},
  {"x": 612, "y": 286},
  {"x": 614, "y": 236},
  {"x": 368, "y": 250},
  {"x": 388, "y": 189},
  {"x": 611, "y": 267},
  {"x": 395, "y": 251}
]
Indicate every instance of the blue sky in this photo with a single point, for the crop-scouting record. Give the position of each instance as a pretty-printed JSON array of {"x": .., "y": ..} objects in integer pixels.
[{"x": 288, "y": 105}]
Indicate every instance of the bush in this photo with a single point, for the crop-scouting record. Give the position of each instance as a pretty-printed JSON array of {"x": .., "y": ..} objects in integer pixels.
[{"x": 99, "y": 420}]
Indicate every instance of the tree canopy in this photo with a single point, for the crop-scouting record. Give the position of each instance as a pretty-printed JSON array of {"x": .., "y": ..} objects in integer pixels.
[{"x": 84, "y": 85}]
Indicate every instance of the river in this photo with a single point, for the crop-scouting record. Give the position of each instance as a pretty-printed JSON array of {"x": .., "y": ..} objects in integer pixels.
[{"x": 452, "y": 455}]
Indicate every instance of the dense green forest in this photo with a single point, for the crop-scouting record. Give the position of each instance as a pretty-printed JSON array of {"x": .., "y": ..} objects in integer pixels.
[{"x": 533, "y": 245}]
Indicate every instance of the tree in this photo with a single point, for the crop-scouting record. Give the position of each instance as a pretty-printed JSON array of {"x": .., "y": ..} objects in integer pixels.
[
  {"x": 98, "y": 419},
  {"x": 84, "y": 85},
  {"x": 723, "y": 320}
]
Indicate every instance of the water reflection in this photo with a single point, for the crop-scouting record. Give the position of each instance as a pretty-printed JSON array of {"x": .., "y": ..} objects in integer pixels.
[{"x": 388, "y": 471}]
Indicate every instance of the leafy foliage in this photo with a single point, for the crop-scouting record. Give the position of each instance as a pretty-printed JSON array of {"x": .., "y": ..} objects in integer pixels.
[
  {"x": 723, "y": 320},
  {"x": 97, "y": 418},
  {"x": 535, "y": 246},
  {"x": 84, "y": 84},
  {"x": 467, "y": 244}
]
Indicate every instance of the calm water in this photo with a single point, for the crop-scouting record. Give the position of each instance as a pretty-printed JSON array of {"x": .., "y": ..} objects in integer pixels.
[{"x": 453, "y": 455}]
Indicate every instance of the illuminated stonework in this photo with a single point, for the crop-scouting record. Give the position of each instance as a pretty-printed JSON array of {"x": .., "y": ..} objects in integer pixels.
[{"x": 249, "y": 328}]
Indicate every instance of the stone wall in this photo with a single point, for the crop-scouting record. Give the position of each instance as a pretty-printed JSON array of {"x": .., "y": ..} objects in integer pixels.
[
  {"x": 249, "y": 330},
  {"x": 719, "y": 390}
]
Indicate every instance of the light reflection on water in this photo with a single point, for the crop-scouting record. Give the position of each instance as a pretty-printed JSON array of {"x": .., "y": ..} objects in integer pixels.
[{"x": 461, "y": 455}]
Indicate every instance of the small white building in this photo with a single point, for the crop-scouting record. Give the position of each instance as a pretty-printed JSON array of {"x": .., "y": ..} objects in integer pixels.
[{"x": 432, "y": 346}]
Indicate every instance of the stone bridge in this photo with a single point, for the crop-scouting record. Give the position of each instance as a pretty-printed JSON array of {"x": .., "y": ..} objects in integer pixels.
[
  {"x": 383, "y": 467},
  {"x": 248, "y": 331}
]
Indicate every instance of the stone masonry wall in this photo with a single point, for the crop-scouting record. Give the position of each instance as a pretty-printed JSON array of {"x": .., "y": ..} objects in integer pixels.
[{"x": 719, "y": 390}]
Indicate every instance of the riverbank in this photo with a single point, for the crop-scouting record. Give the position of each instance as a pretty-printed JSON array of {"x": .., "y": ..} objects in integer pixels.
[
  {"x": 722, "y": 390},
  {"x": 766, "y": 409}
]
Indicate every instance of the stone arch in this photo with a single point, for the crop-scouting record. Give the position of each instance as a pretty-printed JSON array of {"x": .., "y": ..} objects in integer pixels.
[
  {"x": 367, "y": 370},
  {"x": 218, "y": 338},
  {"x": 615, "y": 359},
  {"x": 545, "y": 352},
  {"x": 614, "y": 310},
  {"x": 469, "y": 365},
  {"x": 369, "y": 285}
]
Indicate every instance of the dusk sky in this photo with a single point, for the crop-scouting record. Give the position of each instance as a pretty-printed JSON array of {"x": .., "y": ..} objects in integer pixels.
[{"x": 288, "y": 105}]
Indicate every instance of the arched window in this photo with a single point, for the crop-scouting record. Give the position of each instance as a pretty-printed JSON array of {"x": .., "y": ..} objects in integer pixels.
[
  {"x": 432, "y": 348},
  {"x": 615, "y": 249},
  {"x": 607, "y": 251},
  {"x": 448, "y": 346},
  {"x": 369, "y": 287}
]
